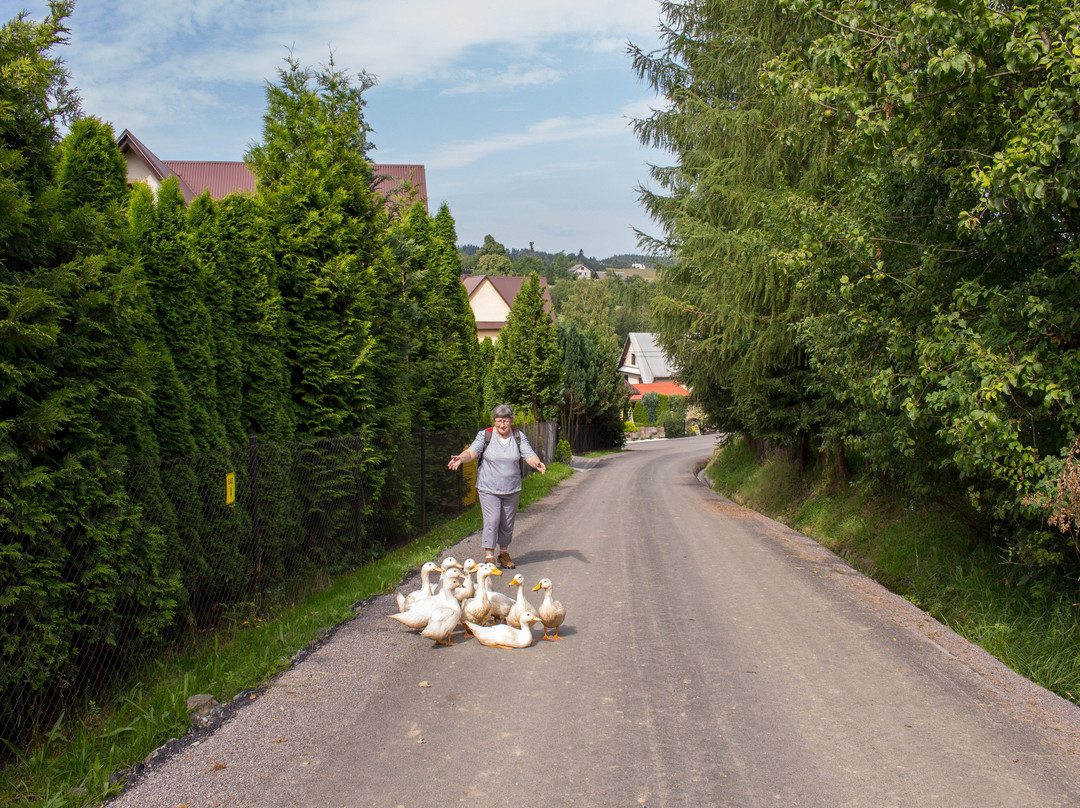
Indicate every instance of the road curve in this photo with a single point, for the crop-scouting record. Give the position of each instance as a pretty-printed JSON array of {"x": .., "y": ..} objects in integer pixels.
[{"x": 711, "y": 657}]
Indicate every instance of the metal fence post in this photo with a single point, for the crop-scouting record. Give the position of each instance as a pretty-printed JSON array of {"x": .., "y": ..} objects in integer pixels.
[
  {"x": 253, "y": 509},
  {"x": 423, "y": 479},
  {"x": 358, "y": 504}
]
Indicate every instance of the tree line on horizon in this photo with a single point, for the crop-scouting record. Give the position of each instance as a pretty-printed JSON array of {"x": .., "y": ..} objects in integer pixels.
[{"x": 874, "y": 213}]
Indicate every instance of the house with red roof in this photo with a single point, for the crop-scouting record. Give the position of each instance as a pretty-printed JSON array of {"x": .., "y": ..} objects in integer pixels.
[
  {"x": 646, "y": 367},
  {"x": 221, "y": 178},
  {"x": 491, "y": 297}
]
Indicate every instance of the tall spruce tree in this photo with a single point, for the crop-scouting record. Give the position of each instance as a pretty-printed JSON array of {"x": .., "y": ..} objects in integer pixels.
[{"x": 726, "y": 309}]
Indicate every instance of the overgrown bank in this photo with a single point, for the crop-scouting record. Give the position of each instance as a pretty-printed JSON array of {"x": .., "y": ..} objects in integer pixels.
[{"x": 1027, "y": 619}]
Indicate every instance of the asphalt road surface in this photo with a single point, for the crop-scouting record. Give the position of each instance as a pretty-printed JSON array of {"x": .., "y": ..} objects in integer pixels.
[{"x": 710, "y": 657}]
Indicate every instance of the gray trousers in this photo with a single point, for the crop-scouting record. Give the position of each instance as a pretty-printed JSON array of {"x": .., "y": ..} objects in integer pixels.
[{"x": 499, "y": 511}]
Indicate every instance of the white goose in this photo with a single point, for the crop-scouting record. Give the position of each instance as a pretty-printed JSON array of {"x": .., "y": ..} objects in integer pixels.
[
  {"x": 446, "y": 564},
  {"x": 467, "y": 588},
  {"x": 551, "y": 612},
  {"x": 425, "y": 591},
  {"x": 417, "y": 617},
  {"x": 504, "y": 635},
  {"x": 478, "y": 607},
  {"x": 500, "y": 603},
  {"x": 521, "y": 605}
]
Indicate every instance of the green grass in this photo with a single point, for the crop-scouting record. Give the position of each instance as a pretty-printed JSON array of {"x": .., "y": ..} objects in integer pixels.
[
  {"x": 929, "y": 556},
  {"x": 74, "y": 763},
  {"x": 601, "y": 452}
]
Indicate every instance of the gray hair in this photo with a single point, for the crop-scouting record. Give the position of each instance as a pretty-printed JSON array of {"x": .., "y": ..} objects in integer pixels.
[{"x": 502, "y": 411}]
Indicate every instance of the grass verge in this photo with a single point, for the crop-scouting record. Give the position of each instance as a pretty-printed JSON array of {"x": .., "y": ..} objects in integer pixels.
[
  {"x": 79, "y": 760},
  {"x": 926, "y": 555}
]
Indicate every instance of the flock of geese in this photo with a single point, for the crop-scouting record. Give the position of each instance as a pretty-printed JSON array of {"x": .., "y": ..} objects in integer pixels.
[{"x": 436, "y": 610}]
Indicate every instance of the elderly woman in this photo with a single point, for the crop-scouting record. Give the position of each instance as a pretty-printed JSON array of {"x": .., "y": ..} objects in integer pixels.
[{"x": 498, "y": 479}]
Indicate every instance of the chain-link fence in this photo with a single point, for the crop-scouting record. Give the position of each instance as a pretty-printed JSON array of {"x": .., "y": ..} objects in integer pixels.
[{"x": 186, "y": 546}]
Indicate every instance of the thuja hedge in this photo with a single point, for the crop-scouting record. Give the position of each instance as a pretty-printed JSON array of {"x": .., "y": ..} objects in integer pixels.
[{"x": 137, "y": 329}]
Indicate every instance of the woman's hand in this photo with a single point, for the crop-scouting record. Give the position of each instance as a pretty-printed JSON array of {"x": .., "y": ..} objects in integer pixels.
[{"x": 456, "y": 461}]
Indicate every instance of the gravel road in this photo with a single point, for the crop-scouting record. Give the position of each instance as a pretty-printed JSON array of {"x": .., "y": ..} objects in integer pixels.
[{"x": 711, "y": 657}]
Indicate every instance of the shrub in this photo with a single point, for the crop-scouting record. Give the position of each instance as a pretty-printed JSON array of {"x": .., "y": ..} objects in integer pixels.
[
  {"x": 629, "y": 426},
  {"x": 651, "y": 403},
  {"x": 562, "y": 452}
]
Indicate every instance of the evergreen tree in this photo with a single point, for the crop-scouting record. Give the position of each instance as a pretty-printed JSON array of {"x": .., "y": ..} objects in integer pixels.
[
  {"x": 339, "y": 283},
  {"x": 336, "y": 276},
  {"x": 245, "y": 257},
  {"x": 468, "y": 408},
  {"x": 579, "y": 378},
  {"x": 178, "y": 289},
  {"x": 527, "y": 371},
  {"x": 81, "y": 578},
  {"x": 208, "y": 258},
  {"x": 726, "y": 310}
]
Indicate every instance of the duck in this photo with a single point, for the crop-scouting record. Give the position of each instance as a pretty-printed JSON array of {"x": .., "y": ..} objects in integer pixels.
[
  {"x": 521, "y": 605},
  {"x": 418, "y": 615},
  {"x": 478, "y": 607},
  {"x": 467, "y": 588},
  {"x": 551, "y": 612},
  {"x": 447, "y": 563},
  {"x": 504, "y": 635},
  {"x": 425, "y": 591},
  {"x": 441, "y": 623},
  {"x": 500, "y": 603}
]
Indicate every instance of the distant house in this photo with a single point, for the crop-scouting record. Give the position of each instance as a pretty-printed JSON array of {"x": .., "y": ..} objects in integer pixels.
[
  {"x": 491, "y": 297},
  {"x": 222, "y": 178},
  {"x": 638, "y": 266},
  {"x": 581, "y": 272},
  {"x": 647, "y": 368}
]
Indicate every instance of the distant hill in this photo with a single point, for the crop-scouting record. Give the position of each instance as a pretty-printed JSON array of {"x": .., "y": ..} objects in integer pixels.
[{"x": 620, "y": 262}]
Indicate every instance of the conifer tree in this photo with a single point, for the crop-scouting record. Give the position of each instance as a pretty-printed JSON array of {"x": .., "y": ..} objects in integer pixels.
[
  {"x": 245, "y": 257},
  {"x": 178, "y": 289},
  {"x": 527, "y": 371},
  {"x": 76, "y": 562},
  {"x": 463, "y": 382},
  {"x": 336, "y": 275},
  {"x": 727, "y": 311}
]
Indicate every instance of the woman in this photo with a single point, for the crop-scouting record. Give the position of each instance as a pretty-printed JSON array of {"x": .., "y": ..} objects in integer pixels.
[{"x": 498, "y": 479}]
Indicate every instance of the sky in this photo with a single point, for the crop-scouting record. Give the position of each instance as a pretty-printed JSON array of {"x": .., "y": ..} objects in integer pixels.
[{"x": 521, "y": 111}]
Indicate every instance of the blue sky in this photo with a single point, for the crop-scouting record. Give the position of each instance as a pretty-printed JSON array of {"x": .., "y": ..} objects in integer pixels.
[{"x": 519, "y": 110}]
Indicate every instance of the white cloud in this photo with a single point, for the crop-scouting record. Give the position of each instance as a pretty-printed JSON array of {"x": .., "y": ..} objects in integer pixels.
[
  {"x": 405, "y": 41},
  {"x": 548, "y": 131},
  {"x": 513, "y": 78}
]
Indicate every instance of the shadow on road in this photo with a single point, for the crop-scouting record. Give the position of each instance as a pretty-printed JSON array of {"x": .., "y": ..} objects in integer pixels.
[{"x": 539, "y": 556}]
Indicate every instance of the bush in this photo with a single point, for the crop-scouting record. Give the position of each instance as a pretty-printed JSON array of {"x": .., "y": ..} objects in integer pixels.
[
  {"x": 630, "y": 426},
  {"x": 563, "y": 454},
  {"x": 651, "y": 403},
  {"x": 673, "y": 424}
]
